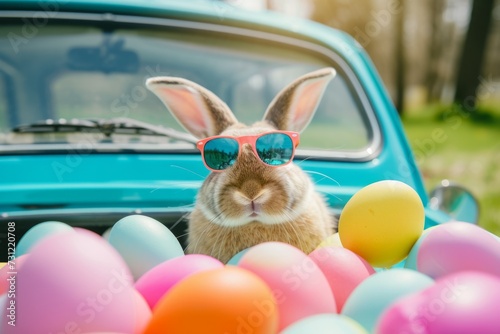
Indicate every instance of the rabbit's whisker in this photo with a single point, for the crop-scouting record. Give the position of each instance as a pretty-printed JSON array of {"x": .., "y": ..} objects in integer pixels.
[
  {"x": 216, "y": 245},
  {"x": 220, "y": 232},
  {"x": 324, "y": 176},
  {"x": 290, "y": 222},
  {"x": 188, "y": 170},
  {"x": 302, "y": 161},
  {"x": 182, "y": 235},
  {"x": 205, "y": 231},
  {"x": 283, "y": 227},
  {"x": 184, "y": 216}
]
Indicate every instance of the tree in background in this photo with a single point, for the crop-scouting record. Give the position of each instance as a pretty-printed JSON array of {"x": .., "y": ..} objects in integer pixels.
[
  {"x": 471, "y": 61},
  {"x": 434, "y": 82},
  {"x": 418, "y": 48},
  {"x": 400, "y": 59}
]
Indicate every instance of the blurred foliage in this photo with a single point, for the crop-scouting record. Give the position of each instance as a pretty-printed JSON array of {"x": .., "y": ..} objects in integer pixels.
[{"x": 462, "y": 146}]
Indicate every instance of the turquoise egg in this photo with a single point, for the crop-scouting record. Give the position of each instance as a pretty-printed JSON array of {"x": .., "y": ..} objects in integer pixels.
[
  {"x": 236, "y": 258},
  {"x": 411, "y": 260},
  {"x": 376, "y": 293},
  {"x": 37, "y": 233},
  {"x": 143, "y": 242}
]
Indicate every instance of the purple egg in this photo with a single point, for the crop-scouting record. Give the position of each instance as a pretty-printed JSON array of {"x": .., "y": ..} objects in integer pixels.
[{"x": 458, "y": 246}]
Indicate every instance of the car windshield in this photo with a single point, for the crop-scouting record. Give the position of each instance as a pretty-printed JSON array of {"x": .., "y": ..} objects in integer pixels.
[{"x": 69, "y": 72}]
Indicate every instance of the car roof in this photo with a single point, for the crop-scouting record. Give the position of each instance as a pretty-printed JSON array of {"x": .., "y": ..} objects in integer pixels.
[{"x": 200, "y": 10}]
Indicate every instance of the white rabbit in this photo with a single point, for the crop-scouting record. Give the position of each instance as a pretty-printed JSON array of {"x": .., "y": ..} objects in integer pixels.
[{"x": 251, "y": 202}]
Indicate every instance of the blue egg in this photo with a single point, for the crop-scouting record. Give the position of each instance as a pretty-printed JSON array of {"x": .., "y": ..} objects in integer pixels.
[
  {"x": 325, "y": 324},
  {"x": 376, "y": 293},
  {"x": 237, "y": 257},
  {"x": 143, "y": 242},
  {"x": 411, "y": 260},
  {"x": 37, "y": 233}
]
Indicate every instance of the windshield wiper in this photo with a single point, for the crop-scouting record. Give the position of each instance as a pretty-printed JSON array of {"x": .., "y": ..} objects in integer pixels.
[{"x": 108, "y": 127}]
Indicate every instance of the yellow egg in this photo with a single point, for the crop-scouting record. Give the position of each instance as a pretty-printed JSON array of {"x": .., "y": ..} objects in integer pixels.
[{"x": 381, "y": 222}]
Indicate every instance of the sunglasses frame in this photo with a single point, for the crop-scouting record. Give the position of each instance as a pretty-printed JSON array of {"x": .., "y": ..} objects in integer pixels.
[{"x": 252, "y": 141}]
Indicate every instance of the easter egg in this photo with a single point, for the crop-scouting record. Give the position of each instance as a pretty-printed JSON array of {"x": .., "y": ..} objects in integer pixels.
[
  {"x": 7, "y": 279},
  {"x": 333, "y": 240},
  {"x": 237, "y": 257},
  {"x": 458, "y": 246},
  {"x": 105, "y": 234},
  {"x": 74, "y": 281},
  {"x": 224, "y": 300},
  {"x": 411, "y": 260},
  {"x": 143, "y": 242},
  {"x": 37, "y": 233},
  {"x": 142, "y": 312},
  {"x": 343, "y": 269},
  {"x": 370, "y": 298},
  {"x": 325, "y": 324},
  {"x": 157, "y": 281},
  {"x": 381, "y": 222},
  {"x": 300, "y": 287},
  {"x": 3, "y": 306},
  {"x": 464, "y": 302}
]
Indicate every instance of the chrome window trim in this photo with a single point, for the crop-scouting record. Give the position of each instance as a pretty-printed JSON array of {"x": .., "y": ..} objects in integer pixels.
[{"x": 366, "y": 154}]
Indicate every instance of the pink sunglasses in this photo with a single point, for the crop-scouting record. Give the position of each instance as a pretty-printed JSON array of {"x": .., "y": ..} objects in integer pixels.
[{"x": 275, "y": 148}]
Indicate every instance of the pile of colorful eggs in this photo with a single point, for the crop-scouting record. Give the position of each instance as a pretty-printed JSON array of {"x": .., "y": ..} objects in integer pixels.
[{"x": 137, "y": 280}]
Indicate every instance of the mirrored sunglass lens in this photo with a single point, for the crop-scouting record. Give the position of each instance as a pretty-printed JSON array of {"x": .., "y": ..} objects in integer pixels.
[
  {"x": 274, "y": 149},
  {"x": 221, "y": 153}
]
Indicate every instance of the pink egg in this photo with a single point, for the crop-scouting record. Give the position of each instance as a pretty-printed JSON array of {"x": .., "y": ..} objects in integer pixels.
[
  {"x": 6, "y": 271},
  {"x": 343, "y": 269},
  {"x": 458, "y": 246},
  {"x": 75, "y": 282},
  {"x": 3, "y": 306},
  {"x": 142, "y": 314},
  {"x": 298, "y": 284},
  {"x": 465, "y": 302},
  {"x": 158, "y": 280}
]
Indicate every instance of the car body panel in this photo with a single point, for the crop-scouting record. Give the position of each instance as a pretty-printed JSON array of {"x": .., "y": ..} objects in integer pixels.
[{"x": 79, "y": 181}]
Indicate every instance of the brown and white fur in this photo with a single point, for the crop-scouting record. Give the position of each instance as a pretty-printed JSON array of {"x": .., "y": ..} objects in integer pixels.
[{"x": 250, "y": 202}]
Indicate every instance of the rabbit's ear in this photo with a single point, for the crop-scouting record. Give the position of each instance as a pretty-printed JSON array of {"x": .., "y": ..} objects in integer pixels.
[
  {"x": 293, "y": 108},
  {"x": 195, "y": 107}
]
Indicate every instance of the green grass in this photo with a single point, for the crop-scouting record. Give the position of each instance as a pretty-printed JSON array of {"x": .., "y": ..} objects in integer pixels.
[{"x": 461, "y": 147}]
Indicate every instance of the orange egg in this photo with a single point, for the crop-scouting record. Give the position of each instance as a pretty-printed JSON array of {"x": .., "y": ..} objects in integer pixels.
[{"x": 225, "y": 300}]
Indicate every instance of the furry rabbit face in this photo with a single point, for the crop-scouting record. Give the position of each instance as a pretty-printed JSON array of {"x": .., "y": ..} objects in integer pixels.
[
  {"x": 250, "y": 197},
  {"x": 251, "y": 191}
]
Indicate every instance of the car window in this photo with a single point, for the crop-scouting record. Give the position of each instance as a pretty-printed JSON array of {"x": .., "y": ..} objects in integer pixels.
[{"x": 85, "y": 72}]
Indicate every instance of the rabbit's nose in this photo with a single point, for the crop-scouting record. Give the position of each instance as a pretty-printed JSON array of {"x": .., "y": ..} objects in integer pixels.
[
  {"x": 251, "y": 188},
  {"x": 252, "y": 198}
]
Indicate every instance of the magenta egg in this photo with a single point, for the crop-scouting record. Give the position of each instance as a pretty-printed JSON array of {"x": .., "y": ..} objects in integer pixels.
[
  {"x": 464, "y": 302},
  {"x": 157, "y": 281}
]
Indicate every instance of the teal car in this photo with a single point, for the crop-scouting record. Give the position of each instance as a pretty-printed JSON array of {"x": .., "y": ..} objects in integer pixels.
[{"x": 84, "y": 142}]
